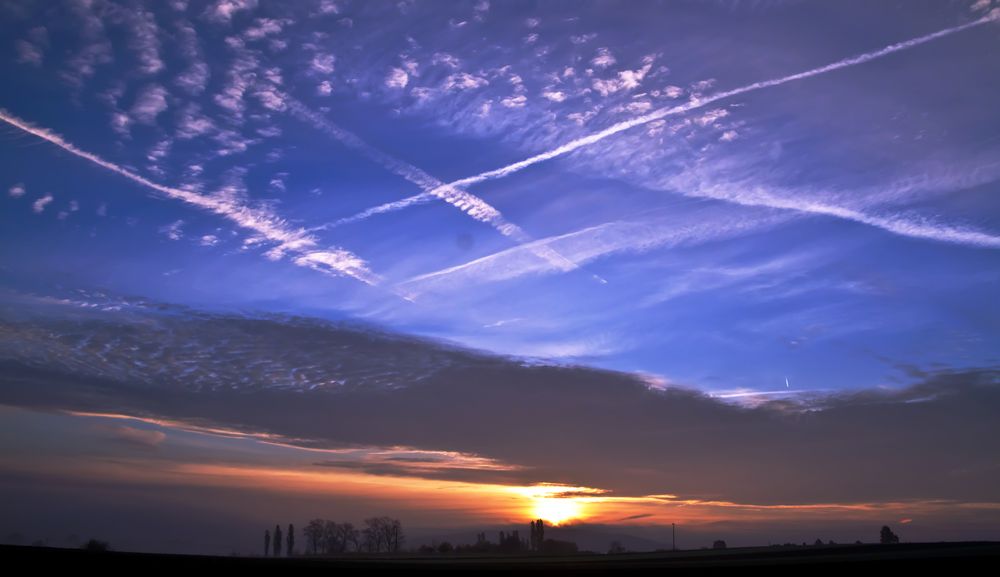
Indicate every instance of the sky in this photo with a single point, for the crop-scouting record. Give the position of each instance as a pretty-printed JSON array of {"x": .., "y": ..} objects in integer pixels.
[{"x": 727, "y": 264}]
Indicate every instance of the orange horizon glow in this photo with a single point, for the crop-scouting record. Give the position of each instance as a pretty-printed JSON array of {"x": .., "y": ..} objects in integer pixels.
[{"x": 415, "y": 492}]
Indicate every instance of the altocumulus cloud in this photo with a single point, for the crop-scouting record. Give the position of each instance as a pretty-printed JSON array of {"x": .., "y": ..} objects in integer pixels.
[{"x": 326, "y": 385}]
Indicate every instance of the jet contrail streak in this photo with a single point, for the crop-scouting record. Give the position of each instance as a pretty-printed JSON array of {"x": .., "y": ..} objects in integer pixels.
[
  {"x": 692, "y": 104},
  {"x": 261, "y": 222},
  {"x": 468, "y": 203}
]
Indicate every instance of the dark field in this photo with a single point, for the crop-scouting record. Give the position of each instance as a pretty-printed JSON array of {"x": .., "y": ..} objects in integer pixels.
[{"x": 933, "y": 556}]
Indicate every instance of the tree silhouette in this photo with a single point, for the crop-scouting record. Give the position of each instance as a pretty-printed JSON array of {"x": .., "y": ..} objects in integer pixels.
[
  {"x": 277, "y": 541},
  {"x": 291, "y": 540},
  {"x": 314, "y": 535},
  {"x": 537, "y": 535},
  {"x": 95, "y": 545},
  {"x": 267, "y": 542},
  {"x": 887, "y": 536}
]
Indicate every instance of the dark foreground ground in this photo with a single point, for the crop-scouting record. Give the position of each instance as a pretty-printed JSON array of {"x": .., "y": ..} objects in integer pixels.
[{"x": 983, "y": 556}]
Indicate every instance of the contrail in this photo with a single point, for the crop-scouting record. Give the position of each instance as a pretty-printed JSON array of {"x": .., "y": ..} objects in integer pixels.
[
  {"x": 692, "y": 104},
  {"x": 268, "y": 226},
  {"x": 468, "y": 203}
]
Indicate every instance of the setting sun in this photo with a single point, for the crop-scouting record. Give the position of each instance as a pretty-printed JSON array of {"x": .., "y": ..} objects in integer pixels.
[{"x": 557, "y": 511}]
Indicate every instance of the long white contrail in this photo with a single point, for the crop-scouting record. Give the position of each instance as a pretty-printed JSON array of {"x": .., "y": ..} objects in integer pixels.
[
  {"x": 692, "y": 104},
  {"x": 468, "y": 203},
  {"x": 263, "y": 223}
]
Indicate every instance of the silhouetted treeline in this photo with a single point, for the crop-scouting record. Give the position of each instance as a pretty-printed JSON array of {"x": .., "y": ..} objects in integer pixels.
[
  {"x": 508, "y": 543},
  {"x": 379, "y": 535}
]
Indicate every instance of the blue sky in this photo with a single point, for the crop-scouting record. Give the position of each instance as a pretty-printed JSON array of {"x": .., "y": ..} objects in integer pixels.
[
  {"x": 839, "y": 231},
  {"x": 456, "y": 262}
]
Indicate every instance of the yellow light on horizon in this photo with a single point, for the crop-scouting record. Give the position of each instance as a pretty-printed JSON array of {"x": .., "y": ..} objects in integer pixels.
[{"x": 557, "y": 510}]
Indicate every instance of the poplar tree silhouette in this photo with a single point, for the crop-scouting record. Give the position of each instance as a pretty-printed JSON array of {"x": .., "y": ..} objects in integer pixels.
[
  {"x": 291, "y": 540},
  {"x": 267, "y": 542},
  {"x": 537, "y": 535},
  {"x": 277, "y": 541}
]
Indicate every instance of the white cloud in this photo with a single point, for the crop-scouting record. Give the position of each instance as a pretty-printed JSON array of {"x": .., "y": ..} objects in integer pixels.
[
  {"x": 464, "y": 81},
  {"x": 261, "y": 220},
  {"x": 673, "y": 91},
  {"x": 322, "y": 63},
  {"x": 445, "y": 59},
  {"x": 39, "y": 205},
  {"x": 16, "y": 191},
  {"x": 711, "y": 117},
  {"x": 324, "y": 88},
  {"x": 238, "y": 80},
  {"x": 144, "y": 41},
  {"x": 264, "y": 27},
  {"x": 173, "y": 231},
  {"x": 728, "y": 136},
  {"x": 588, "y": 244},
  {"x": 32, "y": 50},
  {"x": 514, "y": 101},
  {"x": 626, "y": 80},
  {"x": 397, "y": 78},
  {"x": 223, "y": 10},
  {"x": 328, "y": 7},
  {"x": 192, "y": 123},
  {"x": 554, "y": 96},
  {"x": 603, "y": 59},
  {"x": 209, "y": 240},
  {"x": 194, "y": 79},
  {"x": 149, "y": 104}
]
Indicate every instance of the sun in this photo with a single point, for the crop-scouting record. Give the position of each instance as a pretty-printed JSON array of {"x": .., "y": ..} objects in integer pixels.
[{"x": 556, "y": 511}]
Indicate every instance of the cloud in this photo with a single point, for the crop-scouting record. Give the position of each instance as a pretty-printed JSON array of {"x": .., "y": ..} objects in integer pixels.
[
  {"x": 322, "y": 63},
  {"x": 745, "y": 194},
  {"x": 144, "y": 42},
  {"x": 517, "y": 101},
  {"x": 588, "y": 244},
  {"x": 397, "y": 78},
  {"x": 603, "y": 59},
  {"x": 143, "y": 438},
  {"x": 626, "y": 80},
  {"x": 324, "y": 88},
  {"x": 224, "y": 10},
  {"x": 239, "y": 77},
  {"x": 173, "y": 230},
  {"x": 893, "y": 224},
  {"x": 264, "y": 27},
  {"x": 195, "y": 78},
  {"x": 32, "y": 50},
  {"x": 323, "y": 385},
  {"x": 96, "y": 47},
  {"x": 192, "y": 123},
  {"x": 39, "y": 205},
  {"x": 463, "y": 81},
  {"x": 16, "y": 191},
  {"x": 149, "y": 104},
  {"x": 468, "y": 203},
  {"x": 260, "y": 220},
  {"x": 209, "y": 240}
]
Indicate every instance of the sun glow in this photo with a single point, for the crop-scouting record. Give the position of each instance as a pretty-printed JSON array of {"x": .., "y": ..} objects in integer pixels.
[{"x": 557, "y": 511}]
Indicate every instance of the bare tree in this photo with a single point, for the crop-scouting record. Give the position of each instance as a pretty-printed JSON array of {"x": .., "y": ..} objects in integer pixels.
[
  {"x": 349, "y": 537},
  {"x": 314, "y": 535}
]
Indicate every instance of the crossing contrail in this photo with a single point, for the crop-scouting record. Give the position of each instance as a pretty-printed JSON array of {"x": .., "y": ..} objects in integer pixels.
[
  {"x": 468, "y": 203},
  {"x": 658, "y": 114},
  {"x": 265, "y": 224}
]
